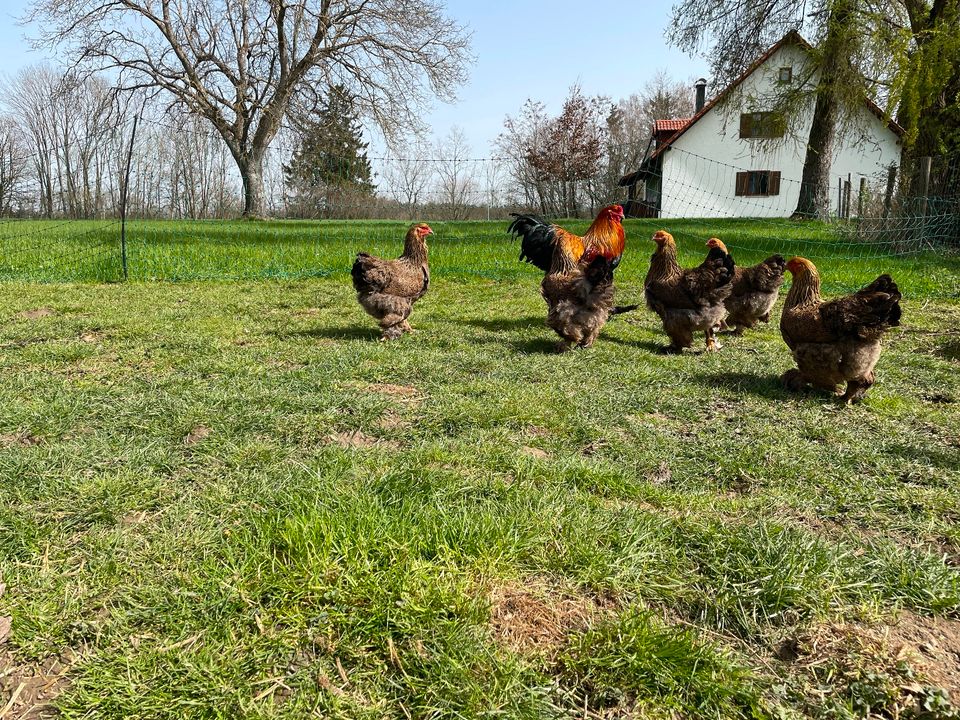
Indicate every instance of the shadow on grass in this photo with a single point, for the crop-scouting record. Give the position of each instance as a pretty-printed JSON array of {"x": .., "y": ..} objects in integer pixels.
[
  {"x": 330, "y": 333},
  {"x": 537, "y": 345},
  {"x": 761, "y": 385},
  {"x": 508, "y": 324}
]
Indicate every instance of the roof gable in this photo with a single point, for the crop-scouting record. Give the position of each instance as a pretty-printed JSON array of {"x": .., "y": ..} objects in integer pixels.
[{"x": 792, "y": 37}]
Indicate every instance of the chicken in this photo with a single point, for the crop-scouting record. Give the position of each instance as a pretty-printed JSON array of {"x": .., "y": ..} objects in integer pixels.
[
  {"x": 687, "y": 300},
  {"x": 839, "y": 340},
  {"x": 754, "y": 291},
  {"x": 579, "y": 296},
  {"x": 539, "y": 238},
  {"x": 387, "y": 289}
]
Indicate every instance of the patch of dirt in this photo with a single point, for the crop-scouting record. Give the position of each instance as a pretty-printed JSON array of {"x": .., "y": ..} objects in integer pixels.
[
  {"x": 937, "y": 643},
  {"x": 594, "y": 447},
  {"x": 36, "y": 314},
  {"x": 21, "y": 438},
  {"x": 535, "y": 431},
  {"x": 28, "y": 690},
  {"x": 887, "y": 670},
  {"x": 359, "y": 439},
  {"x": 198, "y": 434},
  {"x": 92, "y": 336},
  {"x": 535, "y": 617},
  {"x": 535, "y": 452},
  {"x": 661, "y": 475}
]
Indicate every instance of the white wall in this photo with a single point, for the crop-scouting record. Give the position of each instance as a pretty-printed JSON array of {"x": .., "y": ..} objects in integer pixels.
[{"x": 699, "y": 169}]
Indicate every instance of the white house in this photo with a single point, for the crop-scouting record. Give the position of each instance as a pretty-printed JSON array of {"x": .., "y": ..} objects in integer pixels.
[{"x": 737, "y": 157}]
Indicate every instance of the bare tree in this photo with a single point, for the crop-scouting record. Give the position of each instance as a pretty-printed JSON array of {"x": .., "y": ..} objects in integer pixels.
[
  {"x": 13, "y": 166},
  {"x": 456, "y": 174},
  {"x": 630, "y": 128},
  {"x": 521, "y": 134},
  {"x": 240, "y": 64},
  {"x": 407, "y": 175}
]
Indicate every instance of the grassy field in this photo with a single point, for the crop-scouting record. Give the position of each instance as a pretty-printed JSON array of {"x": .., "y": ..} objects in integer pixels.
[
  {"x": 227, "y": 500},
  {"x": 55, "y": 251}
]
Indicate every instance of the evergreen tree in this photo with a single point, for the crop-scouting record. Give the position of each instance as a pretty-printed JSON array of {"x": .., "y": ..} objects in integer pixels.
[{"x": 329, "y": 173}]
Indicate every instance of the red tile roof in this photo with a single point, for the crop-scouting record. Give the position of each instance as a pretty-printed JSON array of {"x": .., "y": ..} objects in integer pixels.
[{"x": 670, "y": 125}]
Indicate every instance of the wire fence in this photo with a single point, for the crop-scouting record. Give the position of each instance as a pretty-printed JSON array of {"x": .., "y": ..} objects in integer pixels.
[{"x": 177, "y": 226}]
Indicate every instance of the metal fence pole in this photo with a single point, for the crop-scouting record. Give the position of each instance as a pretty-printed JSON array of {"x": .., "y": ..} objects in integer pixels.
[{"x": 123, "y": 199}]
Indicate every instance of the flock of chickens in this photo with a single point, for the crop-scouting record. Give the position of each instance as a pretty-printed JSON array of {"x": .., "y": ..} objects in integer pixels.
[{"x": 832, "y": 342}]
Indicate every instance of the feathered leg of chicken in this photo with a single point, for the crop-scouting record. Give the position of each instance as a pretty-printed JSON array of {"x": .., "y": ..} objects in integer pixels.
[
  {"x": 405, "y": 326},
  {"x": 856, "y": 389},
  {"x": 392, "y": 326},
  {"x": 712, "y": 344},
  {"x": 680, "y": 338}
]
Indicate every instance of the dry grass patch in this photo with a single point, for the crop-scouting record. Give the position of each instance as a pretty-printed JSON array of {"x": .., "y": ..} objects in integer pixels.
[
  {"x": 36, "y": 314},
  {"x": 404, "y": 393},
  {"x": 536, "y": 617}
]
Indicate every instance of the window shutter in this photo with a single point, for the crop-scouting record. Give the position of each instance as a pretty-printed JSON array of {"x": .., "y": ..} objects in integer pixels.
[
  {"x": 743, "y": 183},
  {"x": 746, "y": 125},
  {"x": 773, "y": 188}
]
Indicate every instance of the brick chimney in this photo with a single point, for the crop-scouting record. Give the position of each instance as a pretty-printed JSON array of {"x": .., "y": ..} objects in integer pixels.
[{"x": 701, "y": 87}]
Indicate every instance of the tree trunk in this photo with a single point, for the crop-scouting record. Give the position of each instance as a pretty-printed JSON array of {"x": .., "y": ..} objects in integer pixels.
[
  {"x": 251, "y": 172},
  {"x": 837, "y": 49},
  {"x": 814, "y": 201}
]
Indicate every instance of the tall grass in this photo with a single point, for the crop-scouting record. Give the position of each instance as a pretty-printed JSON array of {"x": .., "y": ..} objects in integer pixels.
[{"x": 51, "y": 251}]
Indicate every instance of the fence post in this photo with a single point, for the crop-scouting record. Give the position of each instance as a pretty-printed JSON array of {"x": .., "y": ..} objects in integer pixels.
[
  {"x": 888, "y": 196},
  {"x": 846, "y": 197},
  {"x": 862, "y": 198},
  {"x": 123, "y": 198}
]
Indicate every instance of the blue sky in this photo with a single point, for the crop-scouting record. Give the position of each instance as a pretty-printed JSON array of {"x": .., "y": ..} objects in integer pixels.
[{"x": 524, "y": 49}]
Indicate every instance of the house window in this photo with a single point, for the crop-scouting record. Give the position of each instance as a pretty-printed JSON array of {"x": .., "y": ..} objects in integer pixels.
[
  {"x": 762, "y": 125},
  {"x": 786, "y": 75},
  {"x": 758, "y": 183}
]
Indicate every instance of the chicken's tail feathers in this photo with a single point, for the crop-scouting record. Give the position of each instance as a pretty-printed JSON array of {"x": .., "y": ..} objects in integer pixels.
[
  {"x": 537, "y": 239},
  {"x": 359, "y": 266},
  {"x": 620, "y": 309}
]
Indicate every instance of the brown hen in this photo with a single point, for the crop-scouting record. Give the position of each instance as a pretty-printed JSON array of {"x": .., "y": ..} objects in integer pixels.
[
  {"x": 837, "y": 341},
  {"x": 690, "y": 300},
  {"x": 754, "y": 291},
  {"x": 387, "y": 289},
  {"x": 579, "y": 296}
]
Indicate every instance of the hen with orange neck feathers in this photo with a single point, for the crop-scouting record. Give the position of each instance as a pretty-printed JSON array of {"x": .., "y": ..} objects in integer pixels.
[
  {"x": 837, "y": 341},
  {"x": 387, "y": 289}
]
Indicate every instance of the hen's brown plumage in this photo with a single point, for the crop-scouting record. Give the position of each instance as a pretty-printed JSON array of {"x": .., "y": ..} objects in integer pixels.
[
  {"x": 837, "y": 341},
  {"x": 753, "y": 292},
  {"x": 579, "y": 297},
  {"x": 387, "y": 289},
  {"x": 690, "y": 300}
]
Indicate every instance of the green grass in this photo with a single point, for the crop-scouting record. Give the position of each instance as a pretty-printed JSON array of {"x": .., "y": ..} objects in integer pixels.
[
  {"x": 230, "y": 501},
  {"x": 53, "y": 251}
]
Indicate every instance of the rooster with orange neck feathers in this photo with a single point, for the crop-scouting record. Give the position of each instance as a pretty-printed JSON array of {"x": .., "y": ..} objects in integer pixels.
[
  {"x": 578, "y": 284},
  {"x": 837, "y": 341},
  {"x": 539, "y": 238}
]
